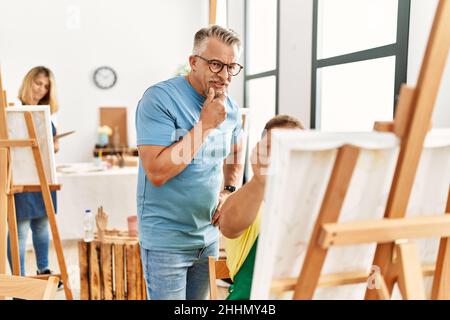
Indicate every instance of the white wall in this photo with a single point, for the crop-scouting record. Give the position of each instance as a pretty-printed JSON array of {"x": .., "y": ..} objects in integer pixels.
[
  {"x": 295, "y": 59},
  {"x": 143, "y": 40},
  {"x": 236, "y": 22},
  {"x": 422, "y": 14}
]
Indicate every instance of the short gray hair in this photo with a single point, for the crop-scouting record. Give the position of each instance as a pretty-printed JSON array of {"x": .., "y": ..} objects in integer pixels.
[{"x": 225, "y": 35}]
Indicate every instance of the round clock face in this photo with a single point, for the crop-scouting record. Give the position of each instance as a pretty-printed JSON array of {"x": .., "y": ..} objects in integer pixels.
[{"x": 105, "y": 77}]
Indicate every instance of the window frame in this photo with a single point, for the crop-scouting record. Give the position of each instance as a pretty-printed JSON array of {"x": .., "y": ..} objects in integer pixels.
[
  {"x": 248, "y": 77},
  {"x": 398, "y": 49}
]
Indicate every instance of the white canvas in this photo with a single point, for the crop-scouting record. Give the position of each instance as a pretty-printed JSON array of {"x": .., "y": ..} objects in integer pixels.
[
  {"x": 301, "y": 165},
  {"x": 24, "y": 168}
]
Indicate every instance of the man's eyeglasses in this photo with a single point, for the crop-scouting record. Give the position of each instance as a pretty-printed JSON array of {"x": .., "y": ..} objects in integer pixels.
[{"x": 216, "y": 66}]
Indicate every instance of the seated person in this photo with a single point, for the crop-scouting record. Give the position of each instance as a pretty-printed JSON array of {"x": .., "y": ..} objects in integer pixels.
[{"x": 240, "y": 215}]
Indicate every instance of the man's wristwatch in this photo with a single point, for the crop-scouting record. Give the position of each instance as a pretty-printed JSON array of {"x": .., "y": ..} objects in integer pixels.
[{"x": 230, "y": 188}]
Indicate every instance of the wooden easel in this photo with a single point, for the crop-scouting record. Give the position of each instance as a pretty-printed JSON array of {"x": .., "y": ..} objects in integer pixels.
[
  {"x": 396, "y": 256},
  {"x": 8, "y": 189},
  {"x": 412, "y": 123},
  {"x": 212, "y": 11}
]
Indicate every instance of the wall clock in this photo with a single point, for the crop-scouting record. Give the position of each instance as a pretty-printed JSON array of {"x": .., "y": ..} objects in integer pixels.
[{"x": 105, "y": 77}]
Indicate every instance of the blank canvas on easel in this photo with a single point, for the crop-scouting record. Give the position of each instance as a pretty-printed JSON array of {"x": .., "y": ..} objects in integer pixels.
[
  {"x": 292, "y": 202},
  {"x": 24, "y": 168}
]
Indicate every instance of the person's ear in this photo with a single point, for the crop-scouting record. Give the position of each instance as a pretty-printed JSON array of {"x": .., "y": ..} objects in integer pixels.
[{"x": 193, "y": 63}]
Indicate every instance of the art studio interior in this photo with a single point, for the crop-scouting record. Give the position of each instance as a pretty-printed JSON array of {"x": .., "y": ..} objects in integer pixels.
[{"x": 225, "y": 150}]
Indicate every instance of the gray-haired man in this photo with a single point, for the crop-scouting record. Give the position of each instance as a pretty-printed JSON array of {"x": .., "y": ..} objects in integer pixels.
[{"x": 187, "y": 131}]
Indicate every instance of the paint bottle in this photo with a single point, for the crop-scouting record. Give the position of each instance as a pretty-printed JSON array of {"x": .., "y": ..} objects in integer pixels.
[{"x": 88, "y": 225}]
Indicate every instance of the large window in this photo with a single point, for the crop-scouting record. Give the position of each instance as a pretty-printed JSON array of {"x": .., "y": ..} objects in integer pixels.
[
  {"x": 261, "y": 65},
  {"x": 359, "y": 62}
]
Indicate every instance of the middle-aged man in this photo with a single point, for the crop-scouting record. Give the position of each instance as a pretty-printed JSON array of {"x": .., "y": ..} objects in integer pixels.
[{"x": 188, "y": 135}]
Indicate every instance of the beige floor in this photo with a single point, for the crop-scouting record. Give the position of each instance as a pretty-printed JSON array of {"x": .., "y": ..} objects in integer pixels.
[{"x": 71, "y": 256}]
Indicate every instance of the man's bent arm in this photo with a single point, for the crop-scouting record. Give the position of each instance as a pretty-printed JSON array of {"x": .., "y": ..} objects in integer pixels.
[
  {"x": 163, "y": 163},
  {"x": 241, "y": 208}
]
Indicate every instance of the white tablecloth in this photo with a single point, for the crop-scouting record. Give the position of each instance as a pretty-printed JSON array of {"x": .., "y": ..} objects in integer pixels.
[{"x": 114, "y": 189}]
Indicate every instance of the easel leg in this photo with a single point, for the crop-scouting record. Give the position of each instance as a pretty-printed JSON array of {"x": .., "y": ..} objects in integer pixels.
[
  {"x": 382, "y": 291},
  {"x": 56, "y": 239},
  {"x": 329, "y": 212},
  {"x": 388, "y": 271},
  {"x": 376, "y": 282},
  {"x": 13, "y": 236},
  {"x": 49, "y": 207},
  {"x": 418, "y": 122},
  {"x": 441, "y": 286},
  {"x": 3, "y": 209},
  {"x": 410, "y": 278}
]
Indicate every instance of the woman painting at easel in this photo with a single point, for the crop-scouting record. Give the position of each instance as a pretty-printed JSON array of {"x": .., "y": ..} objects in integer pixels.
[{"x": 38, "y": 88}]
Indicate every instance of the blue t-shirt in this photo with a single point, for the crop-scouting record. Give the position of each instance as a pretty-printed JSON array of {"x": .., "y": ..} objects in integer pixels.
[{"x": 177, "y": 215}]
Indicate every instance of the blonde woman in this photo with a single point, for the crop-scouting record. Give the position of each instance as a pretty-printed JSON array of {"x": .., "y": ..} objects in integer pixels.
[{"x": 38, "y": 88}]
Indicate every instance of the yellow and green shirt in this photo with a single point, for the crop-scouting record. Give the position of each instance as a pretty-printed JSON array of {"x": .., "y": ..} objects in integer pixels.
[{"x": 241, "y": 253}]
